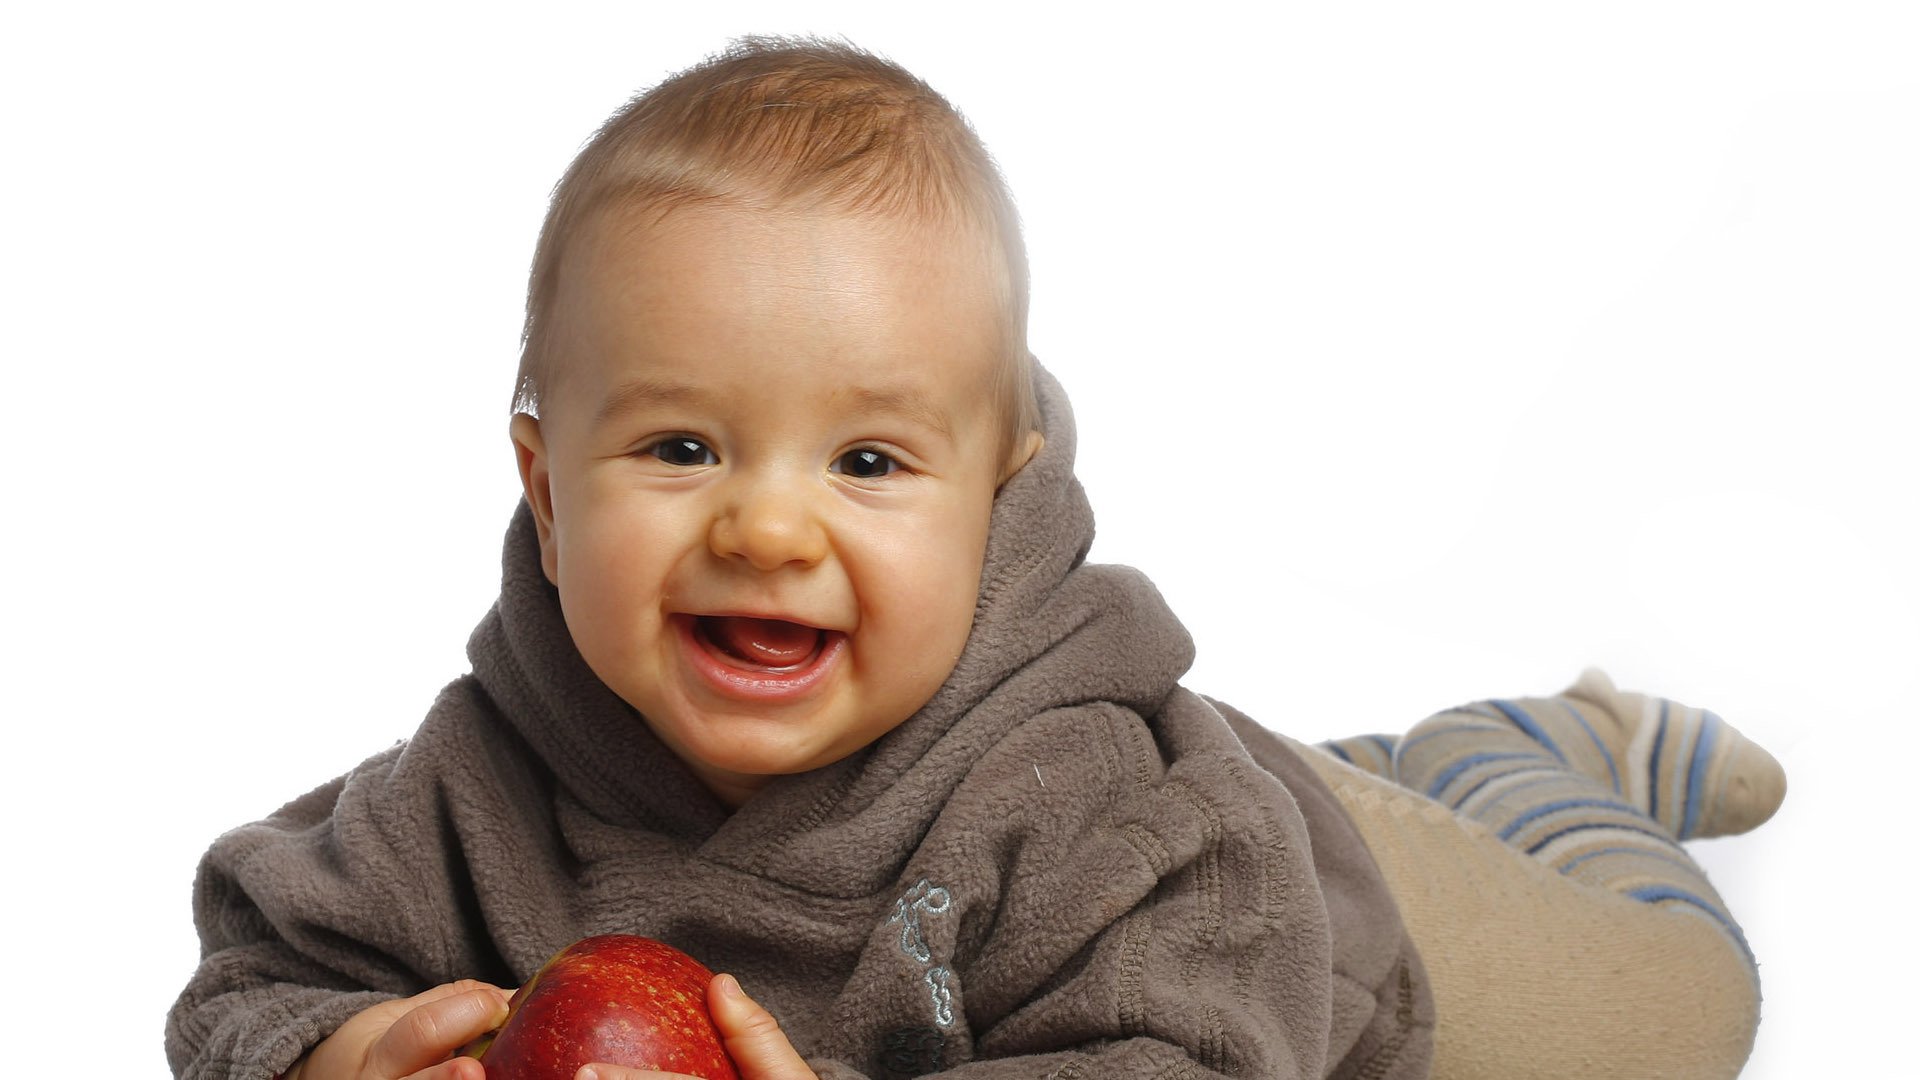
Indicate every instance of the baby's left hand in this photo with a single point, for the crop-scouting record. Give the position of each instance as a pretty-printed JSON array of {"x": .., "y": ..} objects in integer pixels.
[{"x": 759, "y": 1048}]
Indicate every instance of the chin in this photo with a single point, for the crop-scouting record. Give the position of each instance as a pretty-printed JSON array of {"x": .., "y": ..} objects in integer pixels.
[
  {"x": 738, "y": 749},
  {"x": 765, "y": 765}
]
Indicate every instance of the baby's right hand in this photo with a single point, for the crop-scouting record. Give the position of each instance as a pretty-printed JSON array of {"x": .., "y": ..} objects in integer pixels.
[{"x": 410, "y": 1038}]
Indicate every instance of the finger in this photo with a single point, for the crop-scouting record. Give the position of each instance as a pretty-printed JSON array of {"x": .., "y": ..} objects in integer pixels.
[
  {"x": 752, "y": 1036},
  {"x": 599, "y": 1071},
  {"x": 460, "y": 1068},
  {"x": 458, "y": 986},
  {"x": 444, "y": 1020}
]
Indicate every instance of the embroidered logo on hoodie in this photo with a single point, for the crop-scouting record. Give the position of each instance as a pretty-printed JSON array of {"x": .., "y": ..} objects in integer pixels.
[{"x": 911, "y": 911}]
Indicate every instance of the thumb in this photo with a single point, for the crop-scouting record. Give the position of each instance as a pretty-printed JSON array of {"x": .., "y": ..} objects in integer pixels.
[{"x": 752, "y": 1036}]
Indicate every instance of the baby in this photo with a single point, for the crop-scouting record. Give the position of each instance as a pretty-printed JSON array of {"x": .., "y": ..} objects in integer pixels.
[{"x": 797, "y": 665}]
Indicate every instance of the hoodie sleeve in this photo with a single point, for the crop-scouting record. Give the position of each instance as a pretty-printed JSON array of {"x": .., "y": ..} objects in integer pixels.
[{"x": 305, "y": 919}]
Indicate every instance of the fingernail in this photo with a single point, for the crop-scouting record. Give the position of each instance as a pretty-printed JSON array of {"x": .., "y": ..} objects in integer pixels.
[
  {"x": 730, "y": 986},
  {"x": 587, "y": 1072}
]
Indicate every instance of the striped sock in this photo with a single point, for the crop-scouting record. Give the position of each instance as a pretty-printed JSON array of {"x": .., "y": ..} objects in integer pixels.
[
  {"x": 1372, "y": 753},
  {"x": 1565, "y": 971},
  {"x": 1600, "y": 785},
  {"x": 1686, "y": 768}
]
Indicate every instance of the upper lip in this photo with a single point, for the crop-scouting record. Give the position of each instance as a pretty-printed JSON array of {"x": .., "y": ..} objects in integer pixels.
[{"x": 769, "y": 616}]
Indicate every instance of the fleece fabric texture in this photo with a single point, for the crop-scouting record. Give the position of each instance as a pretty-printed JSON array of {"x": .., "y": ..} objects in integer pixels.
[{"x": 1064, "y": 865}]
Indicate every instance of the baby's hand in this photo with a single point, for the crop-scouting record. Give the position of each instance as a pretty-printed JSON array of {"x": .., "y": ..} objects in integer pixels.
[
  {"x": 759, "y": 1048},
  {"x": 411, "y": 1038}
]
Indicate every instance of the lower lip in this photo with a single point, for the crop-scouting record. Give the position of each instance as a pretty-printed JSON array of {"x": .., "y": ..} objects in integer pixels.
[{"x": 743, "y": 684}]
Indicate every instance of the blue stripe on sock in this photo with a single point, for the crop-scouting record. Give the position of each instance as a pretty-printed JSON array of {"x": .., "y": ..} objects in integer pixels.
[
  {"x": 1527, "y": 724},
  {"x": 1656, "y": 832},
  {"x": 1653, "y": 764},
  {"x": 1453, "y": 771},
  {"x": 1697, "y": 773},
  {"x": 1544, "y": 809},
  {"x": 1612, "y": 769},
  {"x": 1653, "y": 894},
  {"x": 1385, "y": 744},
  {"x": 1334, "y": 748},
  {"x": 1484, "y": 781},
  {"x": 1638, "y": 852}
]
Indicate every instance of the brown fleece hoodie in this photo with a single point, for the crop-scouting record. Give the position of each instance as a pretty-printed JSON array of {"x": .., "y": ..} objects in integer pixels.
[{"x": 1064, "y": 865}]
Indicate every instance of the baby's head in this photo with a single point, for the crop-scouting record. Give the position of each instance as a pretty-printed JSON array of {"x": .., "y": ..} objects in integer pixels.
[
  {"x": 775, "y": 369},
  {"x": 793, "y": 127}
]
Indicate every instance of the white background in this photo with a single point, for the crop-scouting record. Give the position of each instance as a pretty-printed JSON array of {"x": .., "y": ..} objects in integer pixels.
[{"x": 1421, "y": 353}]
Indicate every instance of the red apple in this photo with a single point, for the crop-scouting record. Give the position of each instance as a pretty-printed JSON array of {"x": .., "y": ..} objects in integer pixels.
[{"x": 618, "y": 999}]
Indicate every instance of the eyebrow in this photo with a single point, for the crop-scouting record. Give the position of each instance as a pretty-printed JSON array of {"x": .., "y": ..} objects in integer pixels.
[
  {"x": 647, "y": 391},
  {"x": 904, "y": 401}
]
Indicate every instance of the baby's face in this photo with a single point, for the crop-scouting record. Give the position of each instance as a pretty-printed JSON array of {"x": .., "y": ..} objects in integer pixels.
[{"x": 764, "y": 479}]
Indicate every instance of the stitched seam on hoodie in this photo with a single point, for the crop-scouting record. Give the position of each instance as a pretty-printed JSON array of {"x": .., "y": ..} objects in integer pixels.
[
  {"x": 1213, "y": 1038},
  {"x": 1133, "y": 959},
  {"x": 1389, "y": 1053},
  {"x": 1207, "y": 878},
  {"x": 1150, "y": 847},
  {"x": 1383, "y": 1059},
  {"x": 1271, "y": 852},
  {"x": 1275, "y": 850},
  {"x": 822, "y": 806},
  {"x": 1072, "y": 1070}
]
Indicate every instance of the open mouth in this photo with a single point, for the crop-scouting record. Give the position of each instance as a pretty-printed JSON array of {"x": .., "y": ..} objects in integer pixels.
[
  {"x": 761, "y": 645},
  {"x": 762, "y": 661}
]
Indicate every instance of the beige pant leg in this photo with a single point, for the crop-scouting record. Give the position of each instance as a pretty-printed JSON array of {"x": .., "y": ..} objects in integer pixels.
[{"x": 1538, "y": 975}]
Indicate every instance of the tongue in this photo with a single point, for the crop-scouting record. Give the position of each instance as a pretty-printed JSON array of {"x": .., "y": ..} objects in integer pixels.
[{"x": 765, "y": 642}]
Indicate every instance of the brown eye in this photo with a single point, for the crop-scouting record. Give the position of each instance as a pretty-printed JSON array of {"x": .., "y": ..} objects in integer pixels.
[
  {"x": 680, "y": 450},
  {"x": 864, "y": 464}
]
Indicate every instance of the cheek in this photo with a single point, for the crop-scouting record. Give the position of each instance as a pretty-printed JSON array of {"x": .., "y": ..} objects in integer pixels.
[
  {"x": 921, "y": 584},
  {"x": 616, "y": 561}
]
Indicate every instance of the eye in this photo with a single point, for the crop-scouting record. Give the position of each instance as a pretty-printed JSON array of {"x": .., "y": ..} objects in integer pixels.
[
  {"x": 864, "y": 464},
  {"x": 681, "y": 450}
]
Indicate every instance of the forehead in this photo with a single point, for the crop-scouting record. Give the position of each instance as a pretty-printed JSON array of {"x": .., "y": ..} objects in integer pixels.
[
  {"x": 723, "y": 243},
  {"x": 724, "y": 294}
]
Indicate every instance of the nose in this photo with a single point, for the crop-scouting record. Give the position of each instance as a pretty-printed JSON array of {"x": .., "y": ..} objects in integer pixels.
[{"x": 768, "y": 522}]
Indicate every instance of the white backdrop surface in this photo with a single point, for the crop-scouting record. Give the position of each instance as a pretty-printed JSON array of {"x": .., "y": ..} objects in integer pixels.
[{"x": 1421, "y": 353}]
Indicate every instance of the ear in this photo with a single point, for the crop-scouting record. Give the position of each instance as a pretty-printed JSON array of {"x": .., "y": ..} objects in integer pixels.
[
  {"x": 1019, "y": 458},
  {"x": 530, "y": 449}
]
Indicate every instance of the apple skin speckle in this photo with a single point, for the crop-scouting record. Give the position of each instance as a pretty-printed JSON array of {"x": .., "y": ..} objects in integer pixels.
[{"x": 614, "y": 998}]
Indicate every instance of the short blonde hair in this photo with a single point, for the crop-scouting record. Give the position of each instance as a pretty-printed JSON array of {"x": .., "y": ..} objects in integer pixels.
[{"x": 788, "y": 122}]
